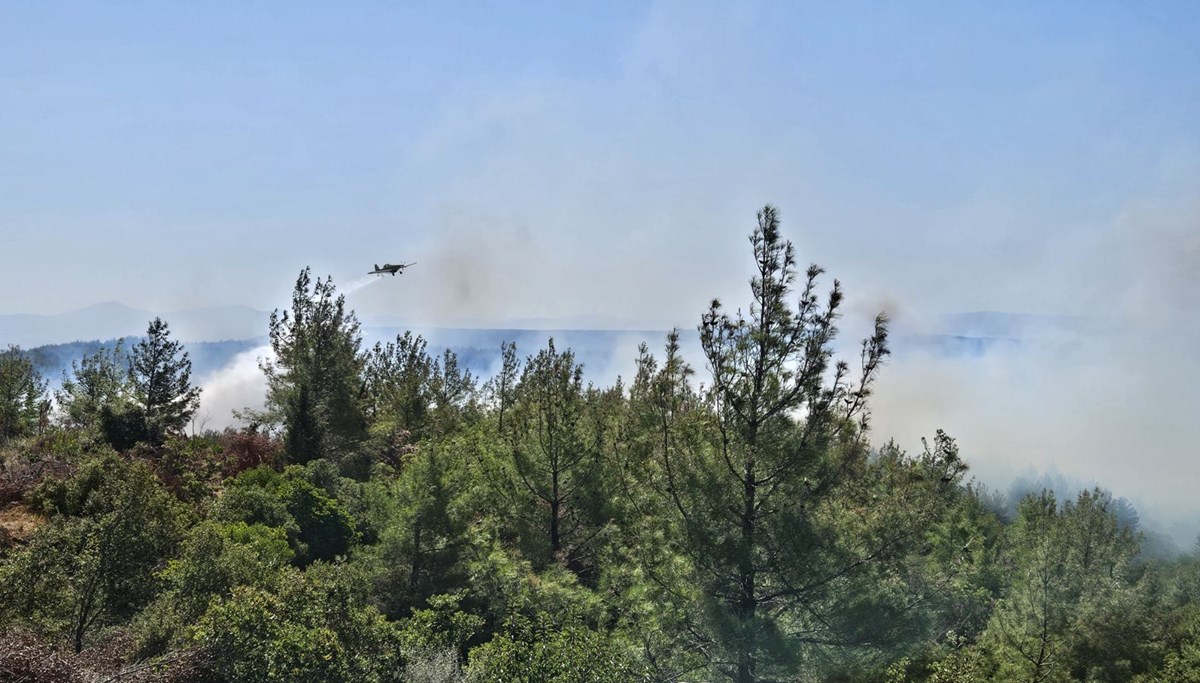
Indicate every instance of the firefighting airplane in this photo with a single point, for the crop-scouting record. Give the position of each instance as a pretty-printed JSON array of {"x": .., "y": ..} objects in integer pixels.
[{"x": 391, "y": 268}]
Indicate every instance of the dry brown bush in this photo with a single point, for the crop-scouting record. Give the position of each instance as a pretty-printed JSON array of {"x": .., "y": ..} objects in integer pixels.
[
  {"x": 28, "y": 658},
  {"x": 25, "y": 658}
]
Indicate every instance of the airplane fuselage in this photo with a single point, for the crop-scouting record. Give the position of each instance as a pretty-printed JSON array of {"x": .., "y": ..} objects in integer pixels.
[{"x": 389, "y": 268}]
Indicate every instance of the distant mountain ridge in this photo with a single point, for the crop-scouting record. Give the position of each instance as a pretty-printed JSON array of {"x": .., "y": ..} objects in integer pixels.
[
  {"x": 52, "y": 360},
  {"x": 112, "y": 320},
  {"x": 216, "y": 335}
]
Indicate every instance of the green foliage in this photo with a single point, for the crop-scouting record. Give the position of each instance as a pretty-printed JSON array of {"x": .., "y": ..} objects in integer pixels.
[
  {"x": 314, "y": 385},
  {"x": 123, "y": 425},
  {"x": 443, "y": 625},
  {"x": 793, "y": 535},
  {"x": 97, "y": 562},
  {"x": 500, "y": 584},
  {"x": 413, "y": 396},
  {"x": 382, "y": 520},
  {"x": 253, "y": 497},
  {"x": 556, "y": 468},
  {"x": 547, "y": 650},
  {"x": 326, "y": 528},
  {"x": 23, "y": 404},
  {"x": 1068, "y": 611},
  {"x": 1181, "y": 663},
  {"x": 305, "y": 626},
  {"x": 160, "y": 379},
  {"x": 399, "y": 378},
  {"x": 454, "y": 393},
  {"x": 959, "y": 663},
  {"x": 214, "y": 559},
  {"x": 217, "y": 557},
  {"x": 318, "y": 526},
  {"x": 420, "y": 547},
  {"x": 501, "y": 388},
  {"x": 130, "y": 398},
  {"x": 958, "y": 576}
]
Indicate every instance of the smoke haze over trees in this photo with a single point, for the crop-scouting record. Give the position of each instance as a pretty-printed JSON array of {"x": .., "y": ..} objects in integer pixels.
[{"x": 387, "y": 515}]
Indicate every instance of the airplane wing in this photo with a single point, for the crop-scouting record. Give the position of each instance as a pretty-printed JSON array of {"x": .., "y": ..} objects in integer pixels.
[{"x": 390, "y": 268}]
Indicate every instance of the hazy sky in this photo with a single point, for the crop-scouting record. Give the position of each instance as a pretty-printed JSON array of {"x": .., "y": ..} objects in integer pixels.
[
  {"x": 581, "y": 164},
  {"x": 597, "y": 163}
]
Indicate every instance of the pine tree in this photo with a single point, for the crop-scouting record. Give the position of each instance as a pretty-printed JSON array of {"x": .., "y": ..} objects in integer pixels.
[
  {"x": 778, "y": 509},
  {"x": 314, "y": 384},
  {"x": 99, "y": 381},
  {"x": 555, "y": 458},
  {"x": 505, "y": 381},
  {"x": 160, "y": 375},
  {"x": 399, "y": 391},
  {"x": 1069, "y": 568},
  {"x": 23, "y": 404},
  {"x": 453, "y": 391}
]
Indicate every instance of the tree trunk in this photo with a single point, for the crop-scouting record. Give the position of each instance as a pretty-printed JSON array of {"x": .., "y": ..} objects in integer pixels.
[
  {"x": 555, "y": 505},
  {"x": 415, "y": 567},
  {"x": 747, "y": 606}
]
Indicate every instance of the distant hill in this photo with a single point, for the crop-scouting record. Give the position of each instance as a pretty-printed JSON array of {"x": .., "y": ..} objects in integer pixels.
[
  {"x": 207, "y": 357},
  {"x": 1016, "y": 325},
  {"x": 114, "y": 320},
  {"x": 604, "y": 353}
]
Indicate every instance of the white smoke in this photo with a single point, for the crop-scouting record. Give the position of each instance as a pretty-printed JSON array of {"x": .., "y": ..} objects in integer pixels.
[
  {"x": 237, "y": 386},
  {"x": 241, "y": 384},
  {"x": 1110, "y": 402}
]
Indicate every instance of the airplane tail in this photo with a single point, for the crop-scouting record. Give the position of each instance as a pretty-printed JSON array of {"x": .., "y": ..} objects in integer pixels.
[{"x": 376, "y": 266}]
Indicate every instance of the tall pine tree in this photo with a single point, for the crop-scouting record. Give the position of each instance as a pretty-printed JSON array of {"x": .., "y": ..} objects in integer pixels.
[
  {"x": 314, "y": 384},
  {"x": 778, "y": 509},
  {"x": 556, "y": 462},
  {"x": 160, "y": 377}
]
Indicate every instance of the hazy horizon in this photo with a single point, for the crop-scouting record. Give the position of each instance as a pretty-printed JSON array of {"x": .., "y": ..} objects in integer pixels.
[{"x": 565, "y": 162}]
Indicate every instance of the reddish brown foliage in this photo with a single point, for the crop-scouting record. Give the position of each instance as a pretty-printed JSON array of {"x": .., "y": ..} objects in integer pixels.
[
  {"x": 189, "y": 467},
  {"x": 246, "y": 449}
]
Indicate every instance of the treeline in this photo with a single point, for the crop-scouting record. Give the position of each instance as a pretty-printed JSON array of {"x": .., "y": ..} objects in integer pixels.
[
  {"x": 207, "y": 357},
  {"x": 388, "y": 516}
]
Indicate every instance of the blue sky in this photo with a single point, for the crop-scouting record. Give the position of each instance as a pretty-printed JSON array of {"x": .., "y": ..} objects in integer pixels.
[
  {"x": 593, "y": 162},
  {"x": 583, "y": 164}
]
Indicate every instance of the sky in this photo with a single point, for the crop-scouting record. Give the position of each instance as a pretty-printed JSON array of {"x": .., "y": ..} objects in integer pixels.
[{"x": 599, "y": 164}]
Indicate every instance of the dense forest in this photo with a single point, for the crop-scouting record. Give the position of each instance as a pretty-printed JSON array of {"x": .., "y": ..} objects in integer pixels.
[{"x": 389, "y": 516}]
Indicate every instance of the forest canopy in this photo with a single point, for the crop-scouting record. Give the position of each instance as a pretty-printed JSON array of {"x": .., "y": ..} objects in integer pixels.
[{"x": 389, "y": 516}]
